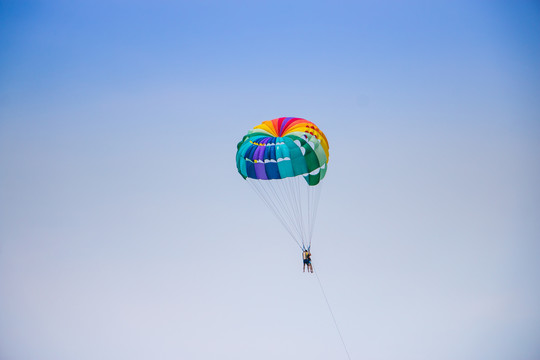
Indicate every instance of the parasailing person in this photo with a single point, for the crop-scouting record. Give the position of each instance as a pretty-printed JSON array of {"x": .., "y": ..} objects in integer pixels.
[{"x": 306, "y": 256}]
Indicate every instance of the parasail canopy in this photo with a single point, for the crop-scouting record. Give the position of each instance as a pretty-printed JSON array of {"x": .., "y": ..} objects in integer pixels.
[{"x": 284, "y": 160}]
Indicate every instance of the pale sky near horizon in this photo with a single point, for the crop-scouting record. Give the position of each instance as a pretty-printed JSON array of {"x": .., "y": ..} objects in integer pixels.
[{"x": 126, "y": 232}]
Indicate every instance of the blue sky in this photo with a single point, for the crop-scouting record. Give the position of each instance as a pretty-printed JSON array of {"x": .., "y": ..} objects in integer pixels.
[{"x": 126, "y": 232}]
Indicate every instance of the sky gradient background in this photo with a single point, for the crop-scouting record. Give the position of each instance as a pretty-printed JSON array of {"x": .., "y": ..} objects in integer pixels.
[{"x": 126, "y": 232}]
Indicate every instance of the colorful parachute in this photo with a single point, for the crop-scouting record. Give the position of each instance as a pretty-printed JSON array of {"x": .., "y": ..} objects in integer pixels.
[{"x": 285, "y": 160}]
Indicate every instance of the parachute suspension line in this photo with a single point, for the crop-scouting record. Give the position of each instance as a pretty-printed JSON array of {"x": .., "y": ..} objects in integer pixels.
[
  {"x": 278, "y": 210},
  {"x": 298, "y": 199},
  {"x": 264, "y": 195},
  {"x": 295, "y": 205},
  {"x": 332, "y": 313},
  {"x": 310, "y": 210},
  {"x": 303, "y": 216},
  {"x": 298, "y": 192},
  {"x": 282, "y": 208},
  {"x": 269, "y": 202},
  {"x": 291, "y": 196},
  {"x": 310, "y": 191},
  {"x": 316, "y": 195},
  {"x": 278, "y": 195}
]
